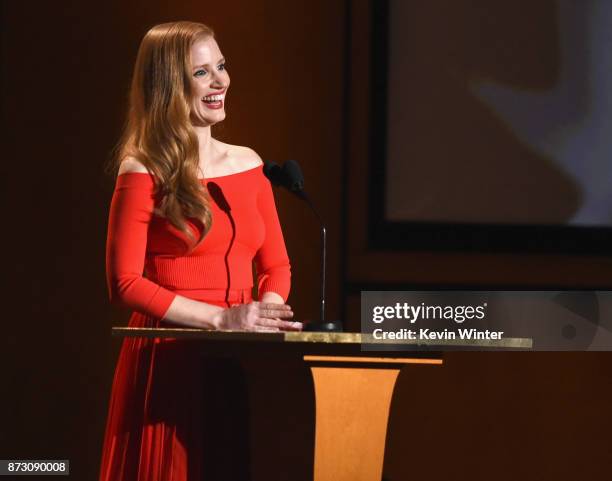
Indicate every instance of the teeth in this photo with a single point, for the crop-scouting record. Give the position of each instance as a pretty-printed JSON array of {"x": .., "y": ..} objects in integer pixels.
[{"x": 213, "y": 98}]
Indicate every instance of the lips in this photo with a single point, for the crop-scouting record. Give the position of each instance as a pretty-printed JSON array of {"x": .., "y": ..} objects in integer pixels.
[
  {"x": 213, "y": 105},
  {"x": 214, "y": 100}
]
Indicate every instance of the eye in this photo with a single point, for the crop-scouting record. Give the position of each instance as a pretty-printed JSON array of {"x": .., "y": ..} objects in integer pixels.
[
  {"x": 200, "y": 73},
  {"x": 221, "y": 66}
]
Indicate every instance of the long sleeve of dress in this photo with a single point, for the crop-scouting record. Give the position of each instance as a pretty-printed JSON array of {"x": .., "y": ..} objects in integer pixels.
[
  {"x": 271, "y": 261},
  {"x": 131, "y": 211}
]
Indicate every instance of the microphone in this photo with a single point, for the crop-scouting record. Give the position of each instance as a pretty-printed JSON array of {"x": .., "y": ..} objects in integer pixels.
[
  {"x": 273, "y": 172},
  {"x": 290, "y": 176}
]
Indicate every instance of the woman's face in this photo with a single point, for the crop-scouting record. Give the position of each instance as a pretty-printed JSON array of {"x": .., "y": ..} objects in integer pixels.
[{"x": 209, "y": 82}]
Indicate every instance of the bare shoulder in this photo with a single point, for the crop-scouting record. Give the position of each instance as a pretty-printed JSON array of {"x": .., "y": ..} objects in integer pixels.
[
  {"x": 243, "y": 158},
  {"x": 131, "y": 164},
  {"x": 248, "y": 155}
]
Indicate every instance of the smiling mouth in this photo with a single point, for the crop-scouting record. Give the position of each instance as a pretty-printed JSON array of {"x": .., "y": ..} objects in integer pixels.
[
  {"x": 210, "y": 99},
  {"x": 214, "y": 102}
]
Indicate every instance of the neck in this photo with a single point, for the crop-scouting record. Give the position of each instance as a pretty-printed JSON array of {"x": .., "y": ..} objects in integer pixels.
[
  {"x": 204, "y": 138},
  {"x": 205, "y": 147}
]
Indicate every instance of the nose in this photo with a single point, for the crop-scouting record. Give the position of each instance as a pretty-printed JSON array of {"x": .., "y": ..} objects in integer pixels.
[{"x": 220, "y": 80}]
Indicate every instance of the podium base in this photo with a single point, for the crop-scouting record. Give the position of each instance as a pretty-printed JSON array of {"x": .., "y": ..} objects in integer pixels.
[{"x": 327, "y": 326}]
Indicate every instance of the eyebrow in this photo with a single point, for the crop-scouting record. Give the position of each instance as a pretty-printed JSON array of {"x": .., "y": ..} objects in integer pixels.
[{"x": 206, "y": 64}]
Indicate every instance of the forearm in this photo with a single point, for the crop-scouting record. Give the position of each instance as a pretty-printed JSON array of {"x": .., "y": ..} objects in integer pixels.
[{"x": 191, "y": 313}]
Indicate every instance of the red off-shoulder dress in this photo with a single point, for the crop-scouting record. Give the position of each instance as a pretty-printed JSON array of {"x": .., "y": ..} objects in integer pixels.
[{"x": 153, "y": 431}]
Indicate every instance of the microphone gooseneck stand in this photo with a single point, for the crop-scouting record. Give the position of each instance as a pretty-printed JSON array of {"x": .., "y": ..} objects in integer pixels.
[
  {"x": 322, "y": 325},
  {"x": 290, "y": 176}
]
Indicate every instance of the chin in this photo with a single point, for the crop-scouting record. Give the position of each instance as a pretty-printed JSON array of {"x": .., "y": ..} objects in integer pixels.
[
  {"x": 216, "y": 120},
  {"x": 208, "y": 120}
]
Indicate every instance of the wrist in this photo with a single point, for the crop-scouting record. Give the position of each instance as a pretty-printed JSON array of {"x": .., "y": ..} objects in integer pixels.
[{"x": 218, "y": 320}]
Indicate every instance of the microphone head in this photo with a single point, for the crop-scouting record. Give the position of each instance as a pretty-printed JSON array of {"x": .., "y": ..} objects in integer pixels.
[
  {"x": 294, "y": 179},
  {"x": 273, "y": 172}
]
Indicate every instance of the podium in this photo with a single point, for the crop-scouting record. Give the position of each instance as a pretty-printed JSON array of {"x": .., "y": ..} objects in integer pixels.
[{"x": 353, "y": 388}]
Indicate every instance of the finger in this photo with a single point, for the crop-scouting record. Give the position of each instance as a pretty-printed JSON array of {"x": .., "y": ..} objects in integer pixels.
[
  {"x": 266, "y": 322},
  {"x": 269, "y": 305},
  {"x": 280, "y": 324},
  {"x": 275, "y": 313},
  {"x": 266, "y": 329},
  {"x": 291, "y": 326}
]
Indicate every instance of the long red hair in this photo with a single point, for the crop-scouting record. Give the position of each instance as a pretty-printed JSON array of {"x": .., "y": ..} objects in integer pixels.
[{"x": 158, "y": 131}]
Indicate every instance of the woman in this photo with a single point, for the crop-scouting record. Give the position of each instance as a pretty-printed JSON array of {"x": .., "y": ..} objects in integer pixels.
[{"x": 188, "y": 217}]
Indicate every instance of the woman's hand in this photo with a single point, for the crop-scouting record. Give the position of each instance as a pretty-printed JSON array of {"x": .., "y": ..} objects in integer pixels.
[{"x": 258, "y": 316}]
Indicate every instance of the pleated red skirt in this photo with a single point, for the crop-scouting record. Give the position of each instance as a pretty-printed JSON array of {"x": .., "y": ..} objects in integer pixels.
[{"x": 154, "y": 423}]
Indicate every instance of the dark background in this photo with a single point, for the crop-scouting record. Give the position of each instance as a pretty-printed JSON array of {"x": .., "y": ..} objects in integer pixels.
[{"x": 299, "y": 90}]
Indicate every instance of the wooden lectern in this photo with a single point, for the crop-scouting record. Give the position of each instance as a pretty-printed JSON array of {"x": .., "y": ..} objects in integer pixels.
[{"x": 353, "y": 388}]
